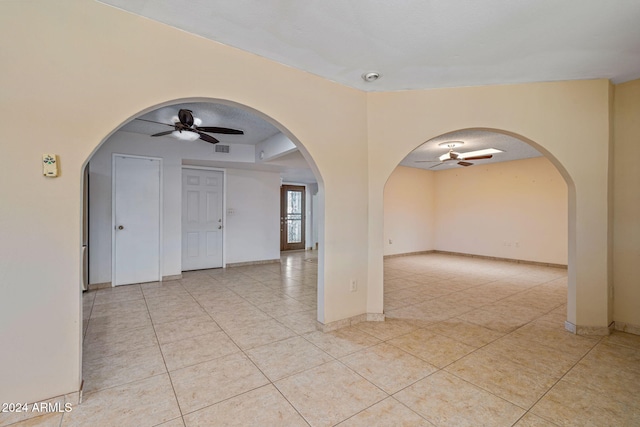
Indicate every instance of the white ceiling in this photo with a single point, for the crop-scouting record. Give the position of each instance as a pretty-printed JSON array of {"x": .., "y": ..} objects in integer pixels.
[
  {"x": 417, "y": 44},
  {"x": 413, "y": 44}
]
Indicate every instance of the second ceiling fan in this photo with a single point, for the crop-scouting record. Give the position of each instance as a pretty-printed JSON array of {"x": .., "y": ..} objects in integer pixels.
[{"x": 462, "y": 158}]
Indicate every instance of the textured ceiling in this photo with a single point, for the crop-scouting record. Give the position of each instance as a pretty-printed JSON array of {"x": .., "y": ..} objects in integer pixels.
[{"x": 418, "y": 44}]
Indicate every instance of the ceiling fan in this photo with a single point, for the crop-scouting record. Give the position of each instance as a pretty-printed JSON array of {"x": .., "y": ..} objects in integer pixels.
[
  {"x": 189, "y": 128},
  {"x": 462, "y": 158}
]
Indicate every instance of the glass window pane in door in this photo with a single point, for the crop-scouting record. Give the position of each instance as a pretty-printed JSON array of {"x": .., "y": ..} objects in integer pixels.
[{"x": 294, "y": 216}]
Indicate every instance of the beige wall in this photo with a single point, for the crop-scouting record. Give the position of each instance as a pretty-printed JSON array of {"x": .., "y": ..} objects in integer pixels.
[
  {"x": 568, "y": 121},
  {"x": 626, "y": 243},
  {"x": 75, "y": 70},
  {"x": 515, "y": 210},
  {"x": 409, "y": 211}
]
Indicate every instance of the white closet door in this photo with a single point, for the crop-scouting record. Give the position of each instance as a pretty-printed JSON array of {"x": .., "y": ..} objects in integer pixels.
[{"x": 136, "y": 220}]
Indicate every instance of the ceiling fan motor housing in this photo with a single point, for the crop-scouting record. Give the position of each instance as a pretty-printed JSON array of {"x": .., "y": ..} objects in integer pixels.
[{"x": 185, "y": 117}]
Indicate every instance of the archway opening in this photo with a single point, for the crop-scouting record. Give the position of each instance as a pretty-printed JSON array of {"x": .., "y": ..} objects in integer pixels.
[
  {"x": 510, "y": 208},
  {"x": 281, "y": 291}
]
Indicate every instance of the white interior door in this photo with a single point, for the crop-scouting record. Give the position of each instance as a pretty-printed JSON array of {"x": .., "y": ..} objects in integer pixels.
[
  {"x": 136, "y": 219},
  {"x": 202, "y": 227}
]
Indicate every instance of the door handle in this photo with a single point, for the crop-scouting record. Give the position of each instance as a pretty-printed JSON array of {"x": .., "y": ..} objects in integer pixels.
[
  {"x": 121, "y": 227},
  {"x": 219, "y": 227}
]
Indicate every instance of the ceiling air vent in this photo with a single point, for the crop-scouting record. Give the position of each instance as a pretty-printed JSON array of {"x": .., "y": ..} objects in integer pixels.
[{"x": 222, "y": 148}]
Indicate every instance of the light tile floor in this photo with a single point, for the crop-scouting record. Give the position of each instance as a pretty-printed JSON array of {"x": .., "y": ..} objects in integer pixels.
[{"x": 467, "y": 342}]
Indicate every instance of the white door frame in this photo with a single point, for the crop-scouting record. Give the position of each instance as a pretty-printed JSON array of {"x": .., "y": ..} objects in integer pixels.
[
  {"x": 224, "y": 206},
  {"x": 113, "y": 215}
]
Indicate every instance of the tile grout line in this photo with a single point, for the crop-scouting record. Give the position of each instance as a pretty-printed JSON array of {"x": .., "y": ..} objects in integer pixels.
[
  {"x": 175, "y": 395},
  {"x": 560, "y": 379},
  {"x": 270, "y": 382},
  {"x": 477, "y": 349}
]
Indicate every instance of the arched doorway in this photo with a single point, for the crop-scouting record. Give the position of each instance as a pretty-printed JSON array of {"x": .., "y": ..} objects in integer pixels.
[
  {"x": 251, "y": 181},
  {"x": 481, "y": 193}
]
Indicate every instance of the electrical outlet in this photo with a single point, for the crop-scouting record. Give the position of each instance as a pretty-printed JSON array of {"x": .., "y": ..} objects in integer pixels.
[{"x": 353, "y": 285}]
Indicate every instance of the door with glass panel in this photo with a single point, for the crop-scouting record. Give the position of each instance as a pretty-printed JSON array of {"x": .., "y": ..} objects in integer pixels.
[{"x": 292, "y": 217}]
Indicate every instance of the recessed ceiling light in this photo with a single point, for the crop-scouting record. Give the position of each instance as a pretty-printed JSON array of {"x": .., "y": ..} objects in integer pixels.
[
  {"x": 371, "y": 76},
  {"x": 451, "y": 144}
]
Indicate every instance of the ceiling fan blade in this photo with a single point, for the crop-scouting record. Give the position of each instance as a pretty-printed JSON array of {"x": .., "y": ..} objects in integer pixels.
[
  {"x": 478, "y": 157},
  {"x": 162, "y": 133},
  {"x": 158, "y": 123},
  {"x": 214, "y": 129},
  {"x": 435, "y": 166},
  {"x": 465, "y": 163},
  {"x": 427, "y": 161},
  {"x": 207, "y": 138}
]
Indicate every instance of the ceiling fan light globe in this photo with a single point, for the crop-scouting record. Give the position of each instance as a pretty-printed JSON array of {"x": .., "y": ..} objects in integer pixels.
[{"x": 185, "y": 135}]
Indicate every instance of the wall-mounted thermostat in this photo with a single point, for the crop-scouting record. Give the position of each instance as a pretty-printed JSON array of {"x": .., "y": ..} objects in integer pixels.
[{"x": 50, "y": 165}]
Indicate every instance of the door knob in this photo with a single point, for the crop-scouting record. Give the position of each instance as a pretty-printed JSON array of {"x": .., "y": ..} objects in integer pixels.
[{"x": 121, "y": 227}]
